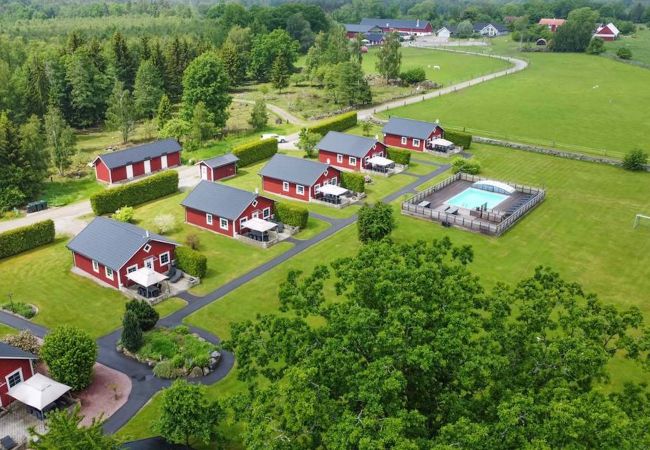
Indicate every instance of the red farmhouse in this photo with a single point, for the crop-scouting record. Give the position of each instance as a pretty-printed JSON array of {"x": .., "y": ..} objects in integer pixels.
[
  {"x": 415, "y": 27},
  {"x": 607, "y": 32},
  {"x": 347, "y": 151},
  {"x": 16, "y": 366},
  {"x": 552, "y": 24},
  {"x": 297, "y": 178},
  {"x": 225, "y": 209},
  {"x": 108, "y": 250},
  {"x": 411, "y": 134},
  {"x": 138, "y": 161},
  {"x": 219, "y": 168}
]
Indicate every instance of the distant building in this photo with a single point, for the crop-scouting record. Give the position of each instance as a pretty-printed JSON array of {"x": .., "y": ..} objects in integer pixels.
[
  {"x": 353, "y": 29},
  {"x": 374, "y": 39},
  {"x": 415, "y": 27},
  {"x": 411, "y": 134},
  {"x": 486, "y": 29},
  {"x": 607, "y": 32},
  {"x": 348, "y": 151},
  {"x": 552, "y": 24}
]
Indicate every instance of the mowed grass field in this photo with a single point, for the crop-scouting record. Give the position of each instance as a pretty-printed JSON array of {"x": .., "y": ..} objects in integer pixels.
[
  {"x": 638, "y": 43},
  {"x": 572, "y": 101}
]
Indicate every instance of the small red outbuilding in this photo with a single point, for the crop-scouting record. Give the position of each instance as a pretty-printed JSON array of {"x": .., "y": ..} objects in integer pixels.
[
  {"x": 16, "y": 366},
  {"x": 218, "y": 168}
]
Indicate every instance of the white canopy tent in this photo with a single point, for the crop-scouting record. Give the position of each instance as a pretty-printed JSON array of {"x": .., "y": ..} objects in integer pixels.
[
  {"x": 332, "y": 189},
  {"x": 38, "y": 391},
  {"x": 261, "y": 225},
  {"x": 380, "y": 161},
  {"x": 439, "y": 142},
  {"x": 494, "y": 186},
  {"x": 146, "y": 277}
]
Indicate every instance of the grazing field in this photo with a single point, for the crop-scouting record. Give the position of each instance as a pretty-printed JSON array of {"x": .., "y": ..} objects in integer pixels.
[
  {"x": 571, "y": 101},
  {"x": 638, "y": 43}
]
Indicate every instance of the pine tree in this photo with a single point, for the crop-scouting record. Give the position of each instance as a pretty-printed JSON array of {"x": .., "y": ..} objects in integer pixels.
[
  {"x": 259, "y": 117},
  {"x": 120, "y": 114},
  {"x": 123, "y": 61},
  {"x": 148, "y": 89},
  {"x": 164, "y": 112},
  {"x": 131, "y": 332},
  {"x": 280, "y": 73}
]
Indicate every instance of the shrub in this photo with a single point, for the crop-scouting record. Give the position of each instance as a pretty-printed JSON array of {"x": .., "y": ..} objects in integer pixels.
[
  {"x": 26, "y": 238},
  {"x": 182, "y": 329},
  {"x": 124, "y": 214},
  {"x": 375, "y": 222},
  {"x": 255, "y": 151},
  {"x": 293, "y": 215},
  {"x": 635, "y": 160},
  {"x": 191, "y": 262},
  {"x": 624, "y": 53},
  {"x": 473, "y": 167},
  {"x": 461, "y": 139},
  {"x": 165, "y": 369},
  {"x": 201, "y": 360},
  {"x": 164, "y": 223},
  {"x": 131, "y": 332},
  {"x": 339, "y": 123},
  {"x": 353, "y": 181},
  {"x": 145, "y": 313},
  {"x": 25, "y": 341},
  {"x": 70, "y": 354},
  {"x": 178, "y": 361},
  {"x": 399, "y": 156},
  {"x": 20, "y": 308},
  {"x": 596, "y": 46},
  {"x": 132, "y": 194},
  {"x": 413, "y": 76},
  {"x": 192, "y": 241}
]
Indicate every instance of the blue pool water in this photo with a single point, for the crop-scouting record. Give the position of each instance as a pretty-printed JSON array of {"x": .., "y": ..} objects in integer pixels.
[{"x": 473, "y": 198}]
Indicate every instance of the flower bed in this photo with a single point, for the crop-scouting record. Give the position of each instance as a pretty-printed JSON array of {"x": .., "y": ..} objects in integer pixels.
[
  {"x": 175, "y": 352},
  {"x": 21, "y": 309}
]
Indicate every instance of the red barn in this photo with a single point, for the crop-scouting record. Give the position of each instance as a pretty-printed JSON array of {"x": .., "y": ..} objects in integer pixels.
[
  {"x": 411, "y": 134},
  {"x": 415, "y": 27},
  {"x": 347, "y": 151},
  {"x": 137, "y": 161},
  {"x": 552, "y": 24},
  {"x": 224, "y": 209},
  {"x": 607, "y": 32},
  {"x": 16, "y": 366},
  {"x": 297, "y": 178},
  {"x": 218, "y": 168},
  {"x": 108, "y": 250}
]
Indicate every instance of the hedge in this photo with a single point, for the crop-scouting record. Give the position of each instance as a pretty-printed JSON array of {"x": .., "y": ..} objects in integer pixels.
[
  {"x": 132, "y": 194},
  {"x": 353, "y": 181},
  {"x": 191, "y": 262},
  {"x": 293, "y": 215},
  {"x": 338, "y": 123},
  {"x": 255, "y": 151},
  {"x": 26, "y": 238},
  {"x": 462, "y": 139},
  {"x": 402, "y": 157}
]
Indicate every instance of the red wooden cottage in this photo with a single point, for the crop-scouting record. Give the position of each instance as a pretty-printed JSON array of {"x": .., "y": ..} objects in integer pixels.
[
  {"x": 409, "y": 26},
  {"x": 137, "y": 161},
  {"x": 411, "y": 134},
  {"x": 297, "y": 178},
  {"x": 347, "y": 151},
  {"x": 16, "y": 366},
  {"x": 224, "y": 209},
  {"x": 108, "y": 250},
  {"x": 218, "y": 168},
  {"x": 607, "y": 32}
]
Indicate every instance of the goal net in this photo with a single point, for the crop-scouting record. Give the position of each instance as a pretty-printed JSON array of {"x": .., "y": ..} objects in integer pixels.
[{"x": 641, "y": 220}]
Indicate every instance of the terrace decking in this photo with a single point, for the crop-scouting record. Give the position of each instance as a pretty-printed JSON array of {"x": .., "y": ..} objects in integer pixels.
[{"x": 431, "y": 204}]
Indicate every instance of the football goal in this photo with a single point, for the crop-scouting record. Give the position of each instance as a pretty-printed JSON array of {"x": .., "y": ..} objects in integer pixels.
[{"x": 641, "y": 219}]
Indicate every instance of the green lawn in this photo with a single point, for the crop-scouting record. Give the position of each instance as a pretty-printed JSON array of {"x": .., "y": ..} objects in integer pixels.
[
  {"x": 62, "y": 191},
  {"x": 314, "y": 227},
  {"x": 5, "y": 330},
  {"x": 169, "y": 306},
  {"x": 573, "y": 101},
  {"x": 638, "y": 43},
  {"x": 42, "y": 277}
]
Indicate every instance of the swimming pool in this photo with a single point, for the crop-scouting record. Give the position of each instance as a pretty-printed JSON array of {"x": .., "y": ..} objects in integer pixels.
[{"x": 473, "y": 198}]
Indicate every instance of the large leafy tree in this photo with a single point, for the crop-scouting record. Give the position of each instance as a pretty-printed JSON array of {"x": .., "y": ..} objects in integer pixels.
[
  {"x": 205, "y": 80},
  {"x": 347, "y": 85},
  {"x": 267, "y": 48},
  {"x": 70, "y": 355},
  {"x": 576, "y": 33},
  {"x": 148, "y": 89},
  {"x": 421, "y": 356},
  {"x": 235, "y": 54},
  {"x": 390, "y": 57},
  {"x": 375, "y": 222},
  {"x": 60, "y": 139},
  {"x": 120, "y": 114}
]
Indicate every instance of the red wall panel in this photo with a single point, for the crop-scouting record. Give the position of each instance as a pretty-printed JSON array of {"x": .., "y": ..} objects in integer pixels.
[
  {"x": 86, "y": 265},
  {"x": 224, "y": 172},
  {"x": 198, "y": 218},
  {"x": 8, "y": 366},
  {"x": 101, "y": 172},
  {"x": 157, "y": 248}
]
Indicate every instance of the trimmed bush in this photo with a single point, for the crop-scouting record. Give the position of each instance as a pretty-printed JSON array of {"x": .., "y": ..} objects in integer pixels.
[
  {"x": 293, "y": 215},
  {"x": 635, "y": 160},
  {"x": 402, "y": 157},
  {"x": 472, "y": 167},
  {"x": 124, "y": 214},
  {"x": 339, "y": 123},
  {"x": 70, "y": 355},
  {"x": 413, "y": 76},
  {"x": 191, "y": 262},
  {"x": 353, "y": 181},
  {"x": 131, "y": 332},
  {"x": 132, "y": 194},
  {"x": 26, "y": 238},
  {"x": 255, "y": 151},
  {"x": 624, "y": 53},
  {"x": 462, "y": 139}
]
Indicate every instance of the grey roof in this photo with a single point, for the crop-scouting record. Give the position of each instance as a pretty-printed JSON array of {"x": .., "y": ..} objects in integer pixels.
[
  {"x": 410, "y": 128},
  {"x": 501, "y": 28},
  {"x": 396, "y": 23},
  {"x": 358, "y": 28},
  {"x": 10, "y": 352},
  {"x": 346, "y": 144},
  {"x": 374, "y": 37},
  {"x": 140, "y": 153},
  {"x": 111, "y": 242},
  {"x": 220, "y": 161},
  {"x": 295, "y": 170},
  {"x": 219, "y": 199}
]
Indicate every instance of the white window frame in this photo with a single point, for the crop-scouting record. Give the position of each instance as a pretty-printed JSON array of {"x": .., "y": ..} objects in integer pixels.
[
  {"x": 352, "y": 160},
  {"x": 132, "y": 268},
  {"x": 208, "y": 218},
  {"x": 150, "y": 262},
  {"x": 160, "y": 258},
  {"x": 316, "y": 188},
  {"x": 334, "y": 181},
  {"x": 223, "y": 223},
  {"x": 339, "y": 158},
  {"x": 255, "y": 215},
  {"x": 266, "y": 213},
  {"x": 242, "y": 221},
  {"x": 285, "y": 186},
  {"x": 18, "y": 371},
  {"x": 106, "y": 272},
  {"x": 416, "y": 142},
  {"x": 95, "y": 266},
  {"x": 147, "y": 248},
  {"x": 404, "y": 140},
  {"x": 300, "y": 189}
]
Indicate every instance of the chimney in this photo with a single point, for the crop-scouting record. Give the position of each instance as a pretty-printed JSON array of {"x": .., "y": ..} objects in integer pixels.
[
  {"x": 437, "y": 120},
  {"x": 257, "y": 190},
  {"x": 146, "y": 233},
  {"x": 417, "y": 23}
]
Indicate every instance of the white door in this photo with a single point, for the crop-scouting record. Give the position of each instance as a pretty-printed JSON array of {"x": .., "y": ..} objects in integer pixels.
[
  {"x": 163, "y": 161},
  {"x": 148, "y": 263},
  {"x": 204, "y": 172},
  {"x": 129, "y": 171},
  {"x": 147, "y": 166}
]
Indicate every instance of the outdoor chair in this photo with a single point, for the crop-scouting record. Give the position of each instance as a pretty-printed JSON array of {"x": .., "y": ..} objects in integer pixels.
[{"x": 7, "y": 443}]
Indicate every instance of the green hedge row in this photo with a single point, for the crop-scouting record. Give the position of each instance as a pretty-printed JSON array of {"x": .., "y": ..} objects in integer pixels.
[
  {"x": 462, "y": 139},
  {"x": 26, "y": 238},
  {"x": 255, "y": 151},
  {"x": 132, "y": 194},
  {"x": 338, "y": 123},
  {"x": 191, "y": 262},
  {"x": 353, "y": 181},
  {"x": 402, "y": 157},
  {"x": 293, "y": 215}
]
